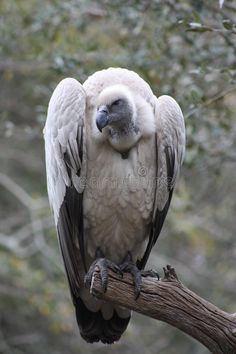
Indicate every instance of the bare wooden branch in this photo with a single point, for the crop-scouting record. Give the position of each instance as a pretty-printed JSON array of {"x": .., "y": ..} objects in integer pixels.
[{"x": 168, "y": 300}]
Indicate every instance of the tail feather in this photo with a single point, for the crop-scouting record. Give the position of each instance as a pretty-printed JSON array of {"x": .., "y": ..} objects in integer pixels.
[{"x": 94, "y": 328}]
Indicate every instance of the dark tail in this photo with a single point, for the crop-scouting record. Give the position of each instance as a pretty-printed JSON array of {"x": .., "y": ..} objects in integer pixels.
[{"x": 94, "y": 328}]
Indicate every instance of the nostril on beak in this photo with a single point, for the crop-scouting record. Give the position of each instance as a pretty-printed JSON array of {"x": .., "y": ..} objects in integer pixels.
[{"x": 103, "y": 109}]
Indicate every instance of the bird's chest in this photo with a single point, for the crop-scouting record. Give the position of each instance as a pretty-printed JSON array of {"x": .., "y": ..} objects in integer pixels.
[{"x": 118, "y": 201}]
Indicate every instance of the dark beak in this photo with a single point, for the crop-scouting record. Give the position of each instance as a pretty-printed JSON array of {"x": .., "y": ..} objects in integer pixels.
[{"x": 102, "y": 118}]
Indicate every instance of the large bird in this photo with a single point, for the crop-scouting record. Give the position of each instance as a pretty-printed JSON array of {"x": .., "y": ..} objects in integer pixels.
[{"x": 113, "y": 153}]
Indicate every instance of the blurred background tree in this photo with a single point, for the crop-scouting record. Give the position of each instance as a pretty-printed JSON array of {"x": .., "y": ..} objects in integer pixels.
[{"x": 182, "y": 48}]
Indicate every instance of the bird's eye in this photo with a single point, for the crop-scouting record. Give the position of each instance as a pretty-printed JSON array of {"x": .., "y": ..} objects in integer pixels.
[{"x": 116, "y": 103}]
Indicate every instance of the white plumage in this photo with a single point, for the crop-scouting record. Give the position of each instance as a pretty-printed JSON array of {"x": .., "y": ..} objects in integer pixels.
[{"x": 113, "y": 152}]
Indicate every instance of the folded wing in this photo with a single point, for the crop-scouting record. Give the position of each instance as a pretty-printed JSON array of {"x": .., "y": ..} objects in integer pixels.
[
  {"x": 170, "y": 148},
  {"x": 66, "y": 172}
]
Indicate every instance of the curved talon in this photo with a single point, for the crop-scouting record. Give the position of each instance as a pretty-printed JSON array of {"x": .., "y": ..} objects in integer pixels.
[
  {"x": 128, "y": 266},
  {"x": 102, "y": 264},
  {"x": 135, "y": 272}
]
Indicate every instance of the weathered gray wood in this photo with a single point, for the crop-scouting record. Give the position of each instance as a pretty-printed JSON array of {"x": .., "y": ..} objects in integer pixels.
[{"x": 168, "y": 300}]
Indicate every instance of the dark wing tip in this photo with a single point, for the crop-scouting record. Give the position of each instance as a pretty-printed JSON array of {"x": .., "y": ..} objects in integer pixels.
[{"x": 94, "y": 328}]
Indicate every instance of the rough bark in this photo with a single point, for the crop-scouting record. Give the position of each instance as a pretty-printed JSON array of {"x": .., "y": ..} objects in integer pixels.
[{"x": 168, "y": 300}]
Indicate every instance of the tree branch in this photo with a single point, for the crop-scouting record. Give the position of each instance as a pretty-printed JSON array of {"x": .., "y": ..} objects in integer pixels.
[{"x": 168, "y": 300}]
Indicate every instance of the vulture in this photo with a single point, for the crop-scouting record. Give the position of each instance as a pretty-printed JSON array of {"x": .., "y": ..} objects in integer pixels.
[{"x": 113, "y": 153}]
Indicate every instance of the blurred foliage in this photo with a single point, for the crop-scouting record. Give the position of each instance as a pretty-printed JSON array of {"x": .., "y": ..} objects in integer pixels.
[{"x": 182, "y": 48}]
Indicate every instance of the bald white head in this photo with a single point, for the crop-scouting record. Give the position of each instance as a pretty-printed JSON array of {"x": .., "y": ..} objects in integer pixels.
[
  {"x": 115, "y": 108},
  {"x": 116, "y": 112}
]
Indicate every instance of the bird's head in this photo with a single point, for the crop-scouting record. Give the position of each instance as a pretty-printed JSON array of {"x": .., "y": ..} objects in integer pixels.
[{"x": 115, "y": 108}]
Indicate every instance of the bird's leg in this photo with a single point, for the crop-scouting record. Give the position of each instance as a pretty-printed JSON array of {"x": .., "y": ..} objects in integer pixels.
[
  {"x": 128, "y": 266},
  {"x": 102, "y": 264}
]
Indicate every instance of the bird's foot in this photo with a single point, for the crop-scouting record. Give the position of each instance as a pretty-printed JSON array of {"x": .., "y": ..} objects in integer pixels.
[
  {"x": 102, "y": 264},
  {"x": 128, "y": 266}
]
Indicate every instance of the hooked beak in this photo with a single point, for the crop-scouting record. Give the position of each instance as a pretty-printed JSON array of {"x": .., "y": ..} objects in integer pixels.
[{"x": 102, "y": 118}]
